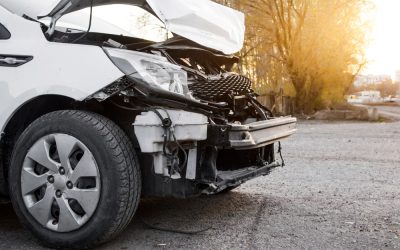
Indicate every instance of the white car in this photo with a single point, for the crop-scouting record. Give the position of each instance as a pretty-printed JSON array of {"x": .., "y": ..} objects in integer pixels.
[
  {"x": 391, "y": 99},
  {"x": 93, "y": 115}
]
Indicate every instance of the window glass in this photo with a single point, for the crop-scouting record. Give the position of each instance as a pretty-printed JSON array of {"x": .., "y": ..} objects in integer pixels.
[
  {"x": 4, "y": 33},
  {"x": 118, "y": 19}
]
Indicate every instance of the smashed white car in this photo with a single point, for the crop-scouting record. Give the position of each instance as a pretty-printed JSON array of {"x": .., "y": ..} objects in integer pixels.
[{"x": 105, "y": 101}]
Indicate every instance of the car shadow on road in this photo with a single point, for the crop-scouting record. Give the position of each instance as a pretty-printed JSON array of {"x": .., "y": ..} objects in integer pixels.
[
  {"x": 206, "y": 212},
  {"x": 204, "y": 208},
  {"x": 215, "y": 213},
  {"x": 8, "y": 219}
]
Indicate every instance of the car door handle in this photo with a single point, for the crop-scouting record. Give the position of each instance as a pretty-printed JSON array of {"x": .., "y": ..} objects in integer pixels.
[{"x": 14, "y": 61}]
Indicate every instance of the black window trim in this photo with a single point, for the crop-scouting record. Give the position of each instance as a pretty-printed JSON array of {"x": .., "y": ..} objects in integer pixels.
[{"x": 7, "y": 34}]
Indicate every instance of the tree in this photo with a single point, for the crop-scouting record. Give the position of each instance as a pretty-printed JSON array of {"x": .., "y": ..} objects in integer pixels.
[{"x": 314, "y": 45}]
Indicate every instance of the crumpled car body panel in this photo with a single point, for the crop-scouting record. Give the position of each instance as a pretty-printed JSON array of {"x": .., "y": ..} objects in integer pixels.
[
  {"x": 207, "y": 23},
  {"x": 203, "y": 21}
]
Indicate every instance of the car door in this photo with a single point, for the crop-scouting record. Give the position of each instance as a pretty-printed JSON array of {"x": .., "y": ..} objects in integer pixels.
[
  {"x": 5, "y": 37},
  {"x": 12, "y": 58}
]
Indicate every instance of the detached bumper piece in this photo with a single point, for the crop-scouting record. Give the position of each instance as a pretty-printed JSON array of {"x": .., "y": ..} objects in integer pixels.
[
  {"x": 253, "y": 135},
  {"x": 262, "y": 133}
]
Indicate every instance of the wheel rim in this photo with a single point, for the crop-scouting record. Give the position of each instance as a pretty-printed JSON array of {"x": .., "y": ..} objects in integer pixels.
[{"x": 60, "y": 182}]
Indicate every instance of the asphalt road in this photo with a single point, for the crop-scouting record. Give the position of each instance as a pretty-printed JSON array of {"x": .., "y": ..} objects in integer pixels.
[
  {"x": 390, "y": 111},
  {"x": 339, "y": 190}
]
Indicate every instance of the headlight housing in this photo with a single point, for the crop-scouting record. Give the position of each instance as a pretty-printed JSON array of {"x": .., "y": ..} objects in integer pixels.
[{"x": 152, "y": 69}]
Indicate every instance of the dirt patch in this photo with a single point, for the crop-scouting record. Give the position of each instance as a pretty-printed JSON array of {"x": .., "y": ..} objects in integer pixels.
[{"x": 360, "y": 114}]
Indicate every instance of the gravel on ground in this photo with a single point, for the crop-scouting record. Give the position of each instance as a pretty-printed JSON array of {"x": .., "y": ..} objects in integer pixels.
[{"x": 339, "y": 190}]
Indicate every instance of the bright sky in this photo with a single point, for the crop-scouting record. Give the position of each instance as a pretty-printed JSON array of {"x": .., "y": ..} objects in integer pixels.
[{"x": 383, "y": 52}]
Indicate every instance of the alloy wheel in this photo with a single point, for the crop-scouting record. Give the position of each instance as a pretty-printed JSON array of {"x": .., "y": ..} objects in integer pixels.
[{"x": 60, "y": 183}]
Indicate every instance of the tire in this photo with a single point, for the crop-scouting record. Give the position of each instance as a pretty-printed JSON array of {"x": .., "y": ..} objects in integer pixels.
[
  {"x": 116, "y": 185},
  {"x": 3, "y": 181}
]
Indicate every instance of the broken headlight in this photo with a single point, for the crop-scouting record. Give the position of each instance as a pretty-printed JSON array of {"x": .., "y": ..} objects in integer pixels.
[{"x": 152, "y": 69}]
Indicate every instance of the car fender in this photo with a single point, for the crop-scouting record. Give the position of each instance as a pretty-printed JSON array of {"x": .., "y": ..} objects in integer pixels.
[{"x": 71, "y": 70}]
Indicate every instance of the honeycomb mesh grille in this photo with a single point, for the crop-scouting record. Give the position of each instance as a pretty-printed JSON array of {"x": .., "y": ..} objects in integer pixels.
[{"x": 217, "y": 89}]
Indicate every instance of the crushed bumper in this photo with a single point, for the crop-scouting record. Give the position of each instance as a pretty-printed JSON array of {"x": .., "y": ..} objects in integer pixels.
[
  {"x": 252, "y": 135},
  {"x": 262, "y": 133}
]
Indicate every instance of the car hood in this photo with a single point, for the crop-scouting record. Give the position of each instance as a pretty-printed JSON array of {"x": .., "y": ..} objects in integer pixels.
[{"x": 207, "y": 23}]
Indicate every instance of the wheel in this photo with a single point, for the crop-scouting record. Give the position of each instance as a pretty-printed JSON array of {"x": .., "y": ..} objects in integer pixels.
[
  {"x": 74, "y": 179},
  {"x": 3, "y": 181}
]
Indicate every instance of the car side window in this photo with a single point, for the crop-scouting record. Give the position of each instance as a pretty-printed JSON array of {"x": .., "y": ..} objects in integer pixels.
[{"x": 4, "y": 33}]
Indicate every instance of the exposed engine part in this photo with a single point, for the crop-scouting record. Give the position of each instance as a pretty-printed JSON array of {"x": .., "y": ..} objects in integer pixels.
[
  {"x": 113, "y": 89},
  {"x": 163, "y": 133}
]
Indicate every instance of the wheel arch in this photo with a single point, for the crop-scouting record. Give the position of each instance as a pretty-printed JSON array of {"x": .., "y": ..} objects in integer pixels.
[
  {"x": 36, "y": 107},
  {"x": 20, "y": 120}
]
